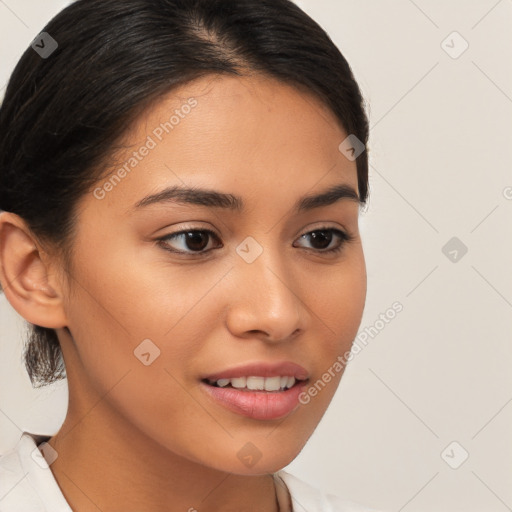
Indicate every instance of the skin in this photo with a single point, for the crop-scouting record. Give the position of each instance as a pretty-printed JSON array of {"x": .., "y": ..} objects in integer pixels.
[{"x": 142, "y": 437}]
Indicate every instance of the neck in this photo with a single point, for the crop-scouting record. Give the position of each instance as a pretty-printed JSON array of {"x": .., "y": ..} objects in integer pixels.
[{"x": 116, "y": 469}]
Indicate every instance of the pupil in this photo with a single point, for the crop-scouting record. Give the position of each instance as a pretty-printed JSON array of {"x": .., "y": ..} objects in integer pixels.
[
  {"x": 195, "y": 238},
  {"x": 323, "y": 238}
]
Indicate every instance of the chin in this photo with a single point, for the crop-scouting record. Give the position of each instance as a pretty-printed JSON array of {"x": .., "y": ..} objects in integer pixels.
[
  {"x": 259, "y": 457},
  {"x": 261, "y": 467}
]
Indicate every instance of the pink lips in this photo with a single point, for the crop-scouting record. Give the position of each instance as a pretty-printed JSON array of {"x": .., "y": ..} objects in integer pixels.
[{"x": 260, "y": 405}]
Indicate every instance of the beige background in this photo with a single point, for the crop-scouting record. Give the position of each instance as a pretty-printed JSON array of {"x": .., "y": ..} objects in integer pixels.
[{"x": 441, "y": 155}]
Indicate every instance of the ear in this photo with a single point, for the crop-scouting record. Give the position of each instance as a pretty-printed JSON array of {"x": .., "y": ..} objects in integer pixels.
[{"x": 25, "y": 275}]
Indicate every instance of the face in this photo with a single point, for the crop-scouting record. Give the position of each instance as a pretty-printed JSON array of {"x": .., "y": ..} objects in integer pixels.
[{"x": 171, "y": 291}]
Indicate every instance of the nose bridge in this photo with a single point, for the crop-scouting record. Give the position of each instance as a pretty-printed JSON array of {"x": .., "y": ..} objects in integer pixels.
[{"x": 265, "y": 298}]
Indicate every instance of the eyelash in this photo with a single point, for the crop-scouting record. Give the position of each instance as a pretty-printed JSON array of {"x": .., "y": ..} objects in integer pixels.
[{"x": 342, "y": 235}]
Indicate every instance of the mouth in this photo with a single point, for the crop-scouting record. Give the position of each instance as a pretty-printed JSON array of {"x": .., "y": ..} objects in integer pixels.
[
  {"x": 275, "y": 384},
  {"x": 258, "y": 391}
]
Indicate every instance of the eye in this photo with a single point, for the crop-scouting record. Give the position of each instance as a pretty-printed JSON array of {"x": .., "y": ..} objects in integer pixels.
[
  {"x": 193, "y": 240},
  {"x": 324, "y": 236}
]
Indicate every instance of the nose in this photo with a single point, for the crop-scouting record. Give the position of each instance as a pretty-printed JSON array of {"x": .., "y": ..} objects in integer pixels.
[{"x": 264, "y": 301}]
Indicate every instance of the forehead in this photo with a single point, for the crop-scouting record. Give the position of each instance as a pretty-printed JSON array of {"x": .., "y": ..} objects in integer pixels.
[{"x": 246, "y": 135}]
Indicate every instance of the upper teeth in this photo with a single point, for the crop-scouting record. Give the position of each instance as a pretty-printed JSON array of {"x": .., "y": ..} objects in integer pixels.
[{"x": 258, "y": 383}]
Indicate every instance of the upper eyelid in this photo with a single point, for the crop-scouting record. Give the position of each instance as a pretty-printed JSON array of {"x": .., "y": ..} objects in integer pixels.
[
  {"x": 176, "y": 234},
  {"x": 212, "y": 232},
  {"x": 320, "y": 225}
]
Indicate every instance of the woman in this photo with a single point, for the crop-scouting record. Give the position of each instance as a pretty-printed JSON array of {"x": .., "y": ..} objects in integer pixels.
[{"x": 181, "y": 183}]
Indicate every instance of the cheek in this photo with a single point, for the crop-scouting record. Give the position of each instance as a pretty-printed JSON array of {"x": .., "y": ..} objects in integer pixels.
[
  {"x": 151, "y": 294},
  {"x": 153, "y": 397},
  {"x": 338, "y": 306},
  {"x": 337, "y": 301},
  {"x": 124, "y": 308},
  {"x": 134, "y": 293}
]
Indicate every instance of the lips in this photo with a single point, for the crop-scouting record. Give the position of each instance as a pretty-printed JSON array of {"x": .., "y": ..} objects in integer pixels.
[{"x": 252, "y": 390}]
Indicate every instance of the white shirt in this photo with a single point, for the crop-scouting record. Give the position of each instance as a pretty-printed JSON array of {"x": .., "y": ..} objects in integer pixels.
[{"x": 27, "y": 484}]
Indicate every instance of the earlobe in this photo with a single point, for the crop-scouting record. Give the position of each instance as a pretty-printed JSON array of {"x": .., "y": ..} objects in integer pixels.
[{"x": 26, "y": 281}]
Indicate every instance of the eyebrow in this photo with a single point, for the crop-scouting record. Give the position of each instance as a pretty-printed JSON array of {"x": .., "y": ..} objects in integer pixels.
[{"x": 214, "y": 199}]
